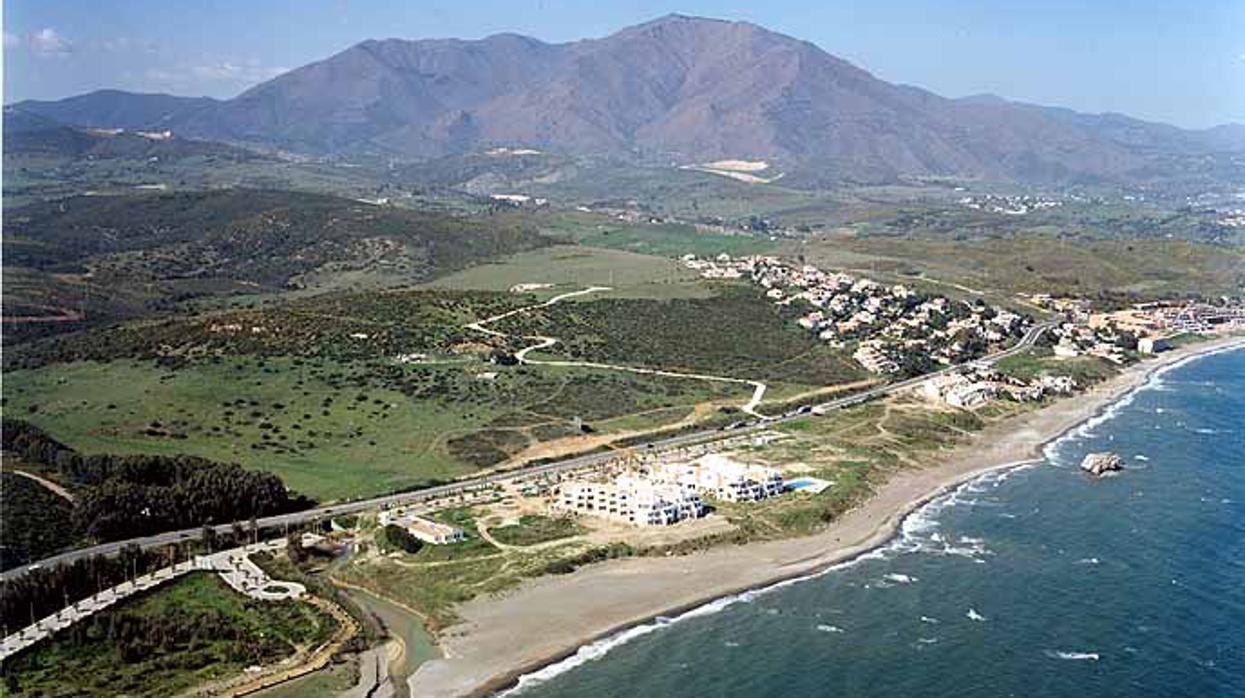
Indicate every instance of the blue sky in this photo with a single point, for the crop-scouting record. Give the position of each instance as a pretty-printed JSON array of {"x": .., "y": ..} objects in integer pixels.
[{"x": 1183, "y": 63}]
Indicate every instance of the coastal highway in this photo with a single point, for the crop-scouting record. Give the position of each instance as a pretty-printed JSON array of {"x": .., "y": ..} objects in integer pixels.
[{"x": 567, "y": 464}]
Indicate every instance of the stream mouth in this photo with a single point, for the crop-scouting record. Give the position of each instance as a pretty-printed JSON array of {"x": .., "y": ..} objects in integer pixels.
[{"x": 407, "y": 629}]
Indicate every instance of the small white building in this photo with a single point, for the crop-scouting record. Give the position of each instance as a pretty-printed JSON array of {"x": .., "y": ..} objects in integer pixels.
[{"x": 427, "y": 530}]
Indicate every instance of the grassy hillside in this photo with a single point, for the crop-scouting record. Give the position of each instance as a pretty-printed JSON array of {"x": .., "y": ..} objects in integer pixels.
[
  {"x": 737, "y": 333},
  {"x": 1046, "y": 265},
  {"x": 267, "y": 238},
  {"x": 113, "y": 257}
]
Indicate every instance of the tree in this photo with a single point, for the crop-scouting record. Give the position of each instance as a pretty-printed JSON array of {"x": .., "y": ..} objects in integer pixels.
[{"x": 294, "y": 547}]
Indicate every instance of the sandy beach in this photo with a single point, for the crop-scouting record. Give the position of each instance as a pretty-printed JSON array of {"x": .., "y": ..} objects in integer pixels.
[{"x": 547, "y": 619}]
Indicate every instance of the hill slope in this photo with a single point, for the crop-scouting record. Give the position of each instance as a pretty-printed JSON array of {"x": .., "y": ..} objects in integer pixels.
[{"x": 90, "y": 259}]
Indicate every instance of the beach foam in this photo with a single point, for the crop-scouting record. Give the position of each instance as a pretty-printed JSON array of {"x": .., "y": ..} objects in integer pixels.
[{"x": 1073, "y": 656}]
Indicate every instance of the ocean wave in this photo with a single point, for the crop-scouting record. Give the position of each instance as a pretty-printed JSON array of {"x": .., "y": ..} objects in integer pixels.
[
  {"x": 1073, "y": 656},
  {"x": 900, "y": 578},
  {"x": 1088, "y": 561},
  {"x": 585, "y": 654},
  {"x": 927, "y": 619},
  {"x": 830, "y": 629},
  {"x": 974, "y": 615}
]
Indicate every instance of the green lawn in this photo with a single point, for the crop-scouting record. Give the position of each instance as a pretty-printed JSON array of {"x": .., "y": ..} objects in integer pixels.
[{"x": 186, "y": 633}]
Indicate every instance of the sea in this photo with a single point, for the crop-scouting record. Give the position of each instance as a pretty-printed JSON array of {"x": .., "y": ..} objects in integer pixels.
[{"x": 1037, "y": 581}]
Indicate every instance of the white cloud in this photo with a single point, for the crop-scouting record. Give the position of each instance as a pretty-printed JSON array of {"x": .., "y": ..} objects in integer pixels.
[
  {"x": 48, "y": 42},
  {"x": 210, "y": 77},
  {"x": 126, "y": 44},
  {"x": 246, "y": 71}
]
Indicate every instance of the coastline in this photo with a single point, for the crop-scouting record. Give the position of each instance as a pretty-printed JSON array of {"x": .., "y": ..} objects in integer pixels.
[{"x": 551, "y": 619}]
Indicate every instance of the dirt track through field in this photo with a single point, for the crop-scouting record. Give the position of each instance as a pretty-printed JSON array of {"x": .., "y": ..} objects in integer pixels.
[{"x": 542, "y": 342}]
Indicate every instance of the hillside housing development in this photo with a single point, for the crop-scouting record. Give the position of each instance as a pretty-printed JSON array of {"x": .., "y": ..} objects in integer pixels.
[{"x": 892, "y": 328}]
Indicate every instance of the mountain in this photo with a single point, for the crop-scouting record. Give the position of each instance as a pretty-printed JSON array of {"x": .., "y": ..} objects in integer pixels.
[
  {"x": 118, "y": 109},
  {"x": 676, "y": 90},
  {"x": 28, "y": 134}
]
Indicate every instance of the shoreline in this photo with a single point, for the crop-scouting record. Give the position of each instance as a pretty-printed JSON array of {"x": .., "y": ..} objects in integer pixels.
[{"x": 550, "y": 620}]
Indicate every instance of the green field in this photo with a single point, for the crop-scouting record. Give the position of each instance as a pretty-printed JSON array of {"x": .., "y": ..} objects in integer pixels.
[
  {"x": 330, "y": 429},
  {"x": 1044, "y": 264},
  {"x": 187, "y": 633},
  {"x": 571, "y": 267},
  {"x": 660, "y": 239}
]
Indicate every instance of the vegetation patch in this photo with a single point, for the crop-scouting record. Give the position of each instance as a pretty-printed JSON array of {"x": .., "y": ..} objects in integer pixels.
[
  {"x": 738, "y": 333},
  {"x": 192, "y": 631},
  {"x": 35, "y": 521},
  {"x": 533, "y": 529}
]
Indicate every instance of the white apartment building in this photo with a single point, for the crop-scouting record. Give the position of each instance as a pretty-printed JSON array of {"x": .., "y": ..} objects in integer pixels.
[
  {"x": 629, "y": 499},
  {"x": 723, "y": 478}
]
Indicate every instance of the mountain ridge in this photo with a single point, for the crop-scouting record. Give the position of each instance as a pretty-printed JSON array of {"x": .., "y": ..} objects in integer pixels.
[{"x": 676, "y": 89}]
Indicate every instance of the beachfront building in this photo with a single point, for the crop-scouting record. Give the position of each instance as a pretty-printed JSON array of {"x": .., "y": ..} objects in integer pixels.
[
  {"x": 427, "y": 530},
  {"x": 721, "y": 477},
  {"x": 970, "y": 395},
  {"x": 959, "y": 390},
  {"x": 629, "y": 499}
]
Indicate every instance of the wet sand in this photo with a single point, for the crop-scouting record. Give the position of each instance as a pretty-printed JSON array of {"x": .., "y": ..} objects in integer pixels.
[{"x": 547, "y": 619}]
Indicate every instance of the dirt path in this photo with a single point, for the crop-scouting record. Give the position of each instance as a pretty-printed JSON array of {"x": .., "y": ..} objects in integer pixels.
[
  {"x": 542, "y": 342},
  {"x": 52, "y": 486}
]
